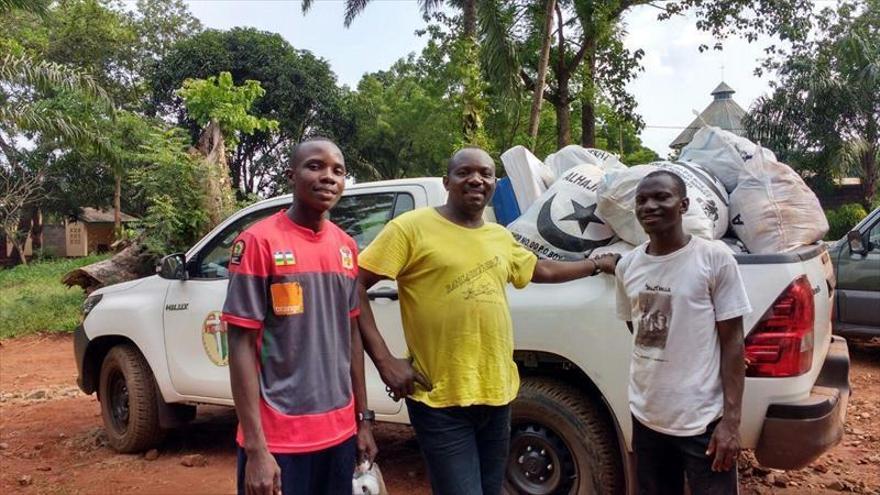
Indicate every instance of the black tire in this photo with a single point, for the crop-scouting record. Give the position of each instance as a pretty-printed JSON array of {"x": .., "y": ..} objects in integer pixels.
[
  {"x": 127, "y": 392},
  {"x": 561, "y": 443}
]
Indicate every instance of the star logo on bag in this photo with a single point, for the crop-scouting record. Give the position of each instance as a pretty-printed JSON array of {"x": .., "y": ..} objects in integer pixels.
[{"x": 585, "y": 215}]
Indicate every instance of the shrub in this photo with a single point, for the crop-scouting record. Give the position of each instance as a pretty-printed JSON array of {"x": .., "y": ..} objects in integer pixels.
[
  {"x": 33, "y": 299},
  {"x": 843, "y": 219}
]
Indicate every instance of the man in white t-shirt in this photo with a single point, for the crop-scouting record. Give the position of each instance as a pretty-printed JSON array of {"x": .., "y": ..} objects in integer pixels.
[{"x": 687, "y": 299}]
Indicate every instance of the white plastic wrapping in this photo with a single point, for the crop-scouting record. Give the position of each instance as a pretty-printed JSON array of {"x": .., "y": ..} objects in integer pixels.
[
  {"x": 563, "y": 223},
  {"x": 573, "y": 155},
  {"x": 707, "y": 216},
  {"x": 617, "y": 200},
  {"x": 619, "y": 247},
  {"x": 527, "y": 175},
  {"x": 722, "y": 153},
  {"x": 773, "y": 211}
]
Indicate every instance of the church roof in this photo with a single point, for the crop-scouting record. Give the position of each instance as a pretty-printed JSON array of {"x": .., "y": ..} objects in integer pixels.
[
  {"x": 723, "y": 112},
  {"x": 722, "y": 88}
]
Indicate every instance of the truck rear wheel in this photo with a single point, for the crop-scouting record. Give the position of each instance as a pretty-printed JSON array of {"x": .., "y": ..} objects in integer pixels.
[
  {"x": 128, "y": 401},
  {"x": 561, "y": 443}
]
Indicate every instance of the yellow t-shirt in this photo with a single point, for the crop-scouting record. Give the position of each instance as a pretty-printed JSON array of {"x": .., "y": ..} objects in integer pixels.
[{"x": 452, "y": 280}]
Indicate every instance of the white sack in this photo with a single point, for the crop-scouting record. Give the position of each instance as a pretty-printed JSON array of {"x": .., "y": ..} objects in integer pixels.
[
  {"x": 527, "y": 175},
  {"x": 709, "y": 201},
  {"x": 562, "y": 224},
  {"x": 619, "y": 247},
  {"x": 573, "y": 155},
  {"x": 722, "y": 153},
  {"x": 707, "y": 216},
  {"x": 617, "y": 200},
  {"x": 772, "y": 210}
]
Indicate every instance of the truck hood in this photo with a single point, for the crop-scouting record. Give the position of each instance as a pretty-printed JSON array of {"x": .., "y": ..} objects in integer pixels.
[{"x": 123, "y": 286}]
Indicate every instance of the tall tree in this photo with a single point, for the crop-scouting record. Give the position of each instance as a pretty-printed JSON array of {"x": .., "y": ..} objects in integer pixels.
[
  {"x": 823, "y": 114},
  {"x": 222, "y": 110},
  {"x": 301, "y": 94},
  {"x": 589, "y": 63},
  {"x": 466, "y": 49},
  {"x": 538, "y": 93},
  {"x": 24, "y": 86},
  {"x": 159, "y": 25}
]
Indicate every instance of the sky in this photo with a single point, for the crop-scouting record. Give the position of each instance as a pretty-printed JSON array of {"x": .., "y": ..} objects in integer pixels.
[{"x": 677, "y": 79}]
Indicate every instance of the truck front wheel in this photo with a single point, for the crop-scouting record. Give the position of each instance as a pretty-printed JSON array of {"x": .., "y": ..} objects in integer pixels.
[
  {"x": 128, "y": 401},
  {"x": 561, "y": 443}
]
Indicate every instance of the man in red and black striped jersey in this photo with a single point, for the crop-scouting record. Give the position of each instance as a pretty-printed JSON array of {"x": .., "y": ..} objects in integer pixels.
[{"x": 296, "y": 357}]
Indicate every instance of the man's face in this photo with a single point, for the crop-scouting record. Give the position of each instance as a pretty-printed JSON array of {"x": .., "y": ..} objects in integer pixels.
[
  {"x": 659, "y": 205},
  {"x": 471, "y": 180},
  {"x": 317, "y": 175}
]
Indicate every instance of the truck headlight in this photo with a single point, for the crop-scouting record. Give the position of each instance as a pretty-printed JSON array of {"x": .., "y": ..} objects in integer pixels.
[{"x": 90, "y": 303}]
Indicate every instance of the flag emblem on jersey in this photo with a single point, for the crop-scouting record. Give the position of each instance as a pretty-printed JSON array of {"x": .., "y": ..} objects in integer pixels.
[
  {"x": 284, "y": 258},
  {"x": 347, "y": 258}
]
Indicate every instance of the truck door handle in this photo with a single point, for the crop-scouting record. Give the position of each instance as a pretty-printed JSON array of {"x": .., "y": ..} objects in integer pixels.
[{"x": 383, "y": 293}]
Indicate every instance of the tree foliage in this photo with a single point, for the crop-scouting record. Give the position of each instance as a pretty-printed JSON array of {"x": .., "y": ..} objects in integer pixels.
[
  {"x": 301, "y": 95},
  {"x": 217, "y": 99},
  {"x": 823, "y": 114}
]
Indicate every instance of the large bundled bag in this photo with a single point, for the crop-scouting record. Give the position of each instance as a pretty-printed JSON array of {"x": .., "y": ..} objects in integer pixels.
[
  {"x": 722, "y": 153},
  {"x": 528, "y": 176},
  {"x": 563, "y": 223},
  {"x": 772, "y": 210},
  {"x": 707, "y": 216},
  {"x": 573, "y": 155},
  {"x": 619, "y": 247},
  {"x": 616, "y": 202}
]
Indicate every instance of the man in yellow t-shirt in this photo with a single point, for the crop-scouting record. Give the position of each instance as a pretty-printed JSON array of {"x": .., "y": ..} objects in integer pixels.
[{"x": 452, "y": 270}]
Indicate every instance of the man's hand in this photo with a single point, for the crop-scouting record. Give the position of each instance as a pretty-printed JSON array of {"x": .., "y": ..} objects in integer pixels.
[
  {"x": 724, "y": 445},
  {"x": 366, "y": 444},
  {"x": 262, "y": 476},
  {"x": 400, "y": 377},
  {"x": 607, "y": 262}
]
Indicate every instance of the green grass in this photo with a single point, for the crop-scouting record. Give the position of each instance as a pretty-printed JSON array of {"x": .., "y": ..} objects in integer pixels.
[{"x": 33, "y": 299}]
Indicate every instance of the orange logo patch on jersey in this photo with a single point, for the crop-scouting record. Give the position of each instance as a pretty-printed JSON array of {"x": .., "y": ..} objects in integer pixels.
[
  {"x": 287, "y": 299},
  {"x": 347, "y": 258}
]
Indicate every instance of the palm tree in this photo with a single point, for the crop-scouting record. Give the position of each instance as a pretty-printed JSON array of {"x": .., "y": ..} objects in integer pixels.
[
  {"x": 496, "y": 50},
  {"x": 22, "y": 80},
  {"x": 42, "y": 76},
  {"x": 39, "y": 7}
]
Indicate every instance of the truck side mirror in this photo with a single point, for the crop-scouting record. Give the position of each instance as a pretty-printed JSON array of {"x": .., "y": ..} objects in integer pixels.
[
  {"x": 856, "y": 244},
  {"x": 173, "y": 267}
]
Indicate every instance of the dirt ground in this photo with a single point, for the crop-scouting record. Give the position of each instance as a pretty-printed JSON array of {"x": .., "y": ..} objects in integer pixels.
[{"x": 52, "y": 441}]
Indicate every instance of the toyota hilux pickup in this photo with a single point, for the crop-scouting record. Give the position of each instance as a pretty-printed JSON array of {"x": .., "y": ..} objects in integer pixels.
[{"x": 154, "y": 349}]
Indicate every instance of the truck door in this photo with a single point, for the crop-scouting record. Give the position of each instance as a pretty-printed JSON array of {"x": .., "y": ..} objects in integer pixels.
[
  {"x": 858, "y": 282},
  {"x": 195, "y": 340},
  {"x": 362, "y": 214}
]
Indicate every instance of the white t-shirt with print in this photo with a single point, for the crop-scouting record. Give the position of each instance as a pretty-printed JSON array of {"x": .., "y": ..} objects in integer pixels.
[{"x": 673, "y": 302}]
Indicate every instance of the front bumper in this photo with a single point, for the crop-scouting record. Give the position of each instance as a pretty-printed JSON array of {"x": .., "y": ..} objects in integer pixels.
[
  {"x": 795, "y": 434},
  {"x": 80, "y": 344}
]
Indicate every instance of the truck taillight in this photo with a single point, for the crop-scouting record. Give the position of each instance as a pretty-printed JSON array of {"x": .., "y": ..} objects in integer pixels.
[{"x": 781, "y": 344}]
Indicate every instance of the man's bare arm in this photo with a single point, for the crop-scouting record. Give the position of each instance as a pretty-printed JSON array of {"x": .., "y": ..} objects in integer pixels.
[
  {"x": 262, "y": 474},
  {"x": 366, "y": 444},
  {"x": 552, "y": 272},
  {"x": 725, "y": 442}
]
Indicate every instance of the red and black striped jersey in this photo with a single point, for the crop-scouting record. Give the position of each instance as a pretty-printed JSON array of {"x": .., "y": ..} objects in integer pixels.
[{"x": 297, "y": 288}]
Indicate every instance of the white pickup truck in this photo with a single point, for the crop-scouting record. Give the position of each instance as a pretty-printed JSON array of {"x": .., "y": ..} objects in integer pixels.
[{"x": 154, "y": 348}]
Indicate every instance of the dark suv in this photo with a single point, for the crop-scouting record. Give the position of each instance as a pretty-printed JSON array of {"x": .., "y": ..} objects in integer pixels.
[{"x": 856, "y": 260}]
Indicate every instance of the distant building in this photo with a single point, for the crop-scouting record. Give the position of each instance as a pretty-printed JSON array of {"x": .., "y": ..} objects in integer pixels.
[
  {"x": 723, "y": 112},
  {"x": 92, "y": 232}
]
